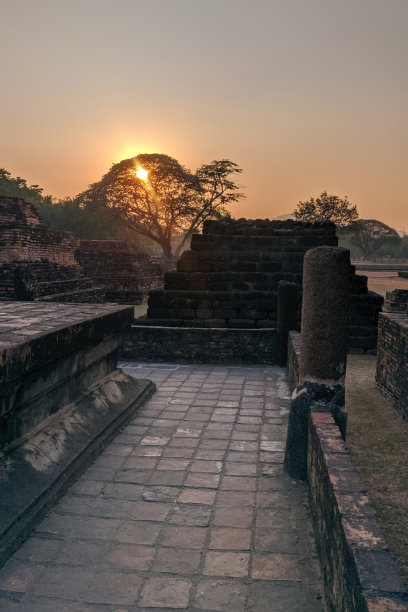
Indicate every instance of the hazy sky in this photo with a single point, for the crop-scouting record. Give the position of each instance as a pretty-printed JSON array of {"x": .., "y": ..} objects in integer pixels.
[{"x": 305, "y": 95}]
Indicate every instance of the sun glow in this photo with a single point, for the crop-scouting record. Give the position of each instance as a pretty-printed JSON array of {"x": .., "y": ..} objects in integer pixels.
[{"x": 142, "y": 174}]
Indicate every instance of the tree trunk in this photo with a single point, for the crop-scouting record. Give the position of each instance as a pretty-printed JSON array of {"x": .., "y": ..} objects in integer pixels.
[{"x": 166, "y": 246}]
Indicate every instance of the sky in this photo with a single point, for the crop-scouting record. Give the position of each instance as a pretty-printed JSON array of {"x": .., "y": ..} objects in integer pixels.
[{"x": 304, "y": 95}]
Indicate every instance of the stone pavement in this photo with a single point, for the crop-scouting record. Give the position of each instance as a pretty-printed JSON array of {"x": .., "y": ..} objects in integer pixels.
[{"x": 187, "y": 509}]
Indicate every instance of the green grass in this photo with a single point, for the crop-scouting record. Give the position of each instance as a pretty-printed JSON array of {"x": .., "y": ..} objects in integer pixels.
[
  {"x": 403, "y": 273},
  {"x": 377, "y": 439}
]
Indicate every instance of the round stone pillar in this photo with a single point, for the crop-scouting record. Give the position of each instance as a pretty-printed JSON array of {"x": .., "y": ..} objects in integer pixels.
[{"x": 323, "y": 344}]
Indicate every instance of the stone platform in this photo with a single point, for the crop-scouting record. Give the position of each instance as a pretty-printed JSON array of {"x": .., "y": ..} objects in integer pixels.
[
  {"x": 61, "y": 400},
  {"x": 187, "y": 509}
]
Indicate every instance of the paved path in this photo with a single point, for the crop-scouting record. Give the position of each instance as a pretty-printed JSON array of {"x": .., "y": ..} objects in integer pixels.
[{"x": 188, "y": 508}]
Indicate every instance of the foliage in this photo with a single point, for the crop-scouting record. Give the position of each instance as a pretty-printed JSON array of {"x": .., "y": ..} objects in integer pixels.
[
  {"x": 370, "y": 234},
  {"x": 327, "y": 208},
  {"x": 403, "y": 273},
  {"x": 172, "y": 203},
  {"x": 85, "y": 224},
  {"x": 17, "y": 188}
]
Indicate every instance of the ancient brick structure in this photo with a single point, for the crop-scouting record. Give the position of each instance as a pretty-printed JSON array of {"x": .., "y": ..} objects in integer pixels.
[
  {"x": 39, "y": 264},
  {"x": 230, "y": 278},
  {"x": 24, "y": 237},
  {"x": 62, "y": 399},
  {"x": 392, "y": 358},
  {"x": 396, "y": 301},
  {"x": 123, "y": 268}
]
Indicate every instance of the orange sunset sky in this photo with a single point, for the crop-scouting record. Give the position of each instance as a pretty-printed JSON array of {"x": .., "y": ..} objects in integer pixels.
[{"x": 305, "y": 95}]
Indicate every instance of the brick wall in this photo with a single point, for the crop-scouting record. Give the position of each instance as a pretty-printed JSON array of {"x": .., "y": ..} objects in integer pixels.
[
  {"x": 392, "y": 358},
  {"x": 189, "y": 345},
  {"x": 122, "y": 267},
  {"x": 24, "y": 237}
]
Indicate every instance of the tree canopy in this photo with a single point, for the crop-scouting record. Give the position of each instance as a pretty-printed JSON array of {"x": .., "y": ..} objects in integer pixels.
[
  {"x": 327, "y": 208},
  {"x": 17, "y": 187},
  {"x": 168, "y": 203},
  {"x": 369, "y": 235}
]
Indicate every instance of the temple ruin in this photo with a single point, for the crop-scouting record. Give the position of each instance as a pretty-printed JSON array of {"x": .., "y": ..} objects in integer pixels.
[
  {"x": 228, "y": 281},
  {"x": 37, "y": 263}
]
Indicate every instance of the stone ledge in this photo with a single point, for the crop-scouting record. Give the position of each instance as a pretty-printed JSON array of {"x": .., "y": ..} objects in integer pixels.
[
  {"x": 358, "y": 568},
  {"x": 36, "y": 473},
  {"x": 199, "y": 345}
]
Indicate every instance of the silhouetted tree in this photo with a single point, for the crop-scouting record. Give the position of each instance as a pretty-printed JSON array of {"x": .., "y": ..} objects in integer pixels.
[
  {"x": 172, "y": 202},
  {"x": 328, "y": 208},
  {"x": 369, "y": 235},
  {"x": 17, "y": 188}
]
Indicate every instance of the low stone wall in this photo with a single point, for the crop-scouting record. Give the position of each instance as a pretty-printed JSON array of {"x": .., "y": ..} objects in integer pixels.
[
  {"x": 199, "y": 345},
  {"x": 359, "y": 571},
  {"x": 392, "y": 358},
  {"x": 62, "y": 399}
]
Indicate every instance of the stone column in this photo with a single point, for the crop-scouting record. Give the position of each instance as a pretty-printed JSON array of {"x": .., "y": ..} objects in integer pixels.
[
  {"x": 323, "y": 349},
  {"x": 287, "y": 318},
  {"x": 323, "y": 345}
]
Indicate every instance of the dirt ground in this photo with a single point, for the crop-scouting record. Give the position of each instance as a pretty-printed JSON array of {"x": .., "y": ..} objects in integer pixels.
[
  {"x": 377, "y": 439},
  {"x": 381, "y": 281}
]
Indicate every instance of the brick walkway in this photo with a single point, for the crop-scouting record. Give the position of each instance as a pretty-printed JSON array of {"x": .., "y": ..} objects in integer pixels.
[{"x": 188, "y": 508}]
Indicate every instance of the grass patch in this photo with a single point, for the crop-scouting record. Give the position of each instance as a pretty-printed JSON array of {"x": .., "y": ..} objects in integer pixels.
[
  {"x": 403, "y": 273},
  {"x": 377, "y": 440}
]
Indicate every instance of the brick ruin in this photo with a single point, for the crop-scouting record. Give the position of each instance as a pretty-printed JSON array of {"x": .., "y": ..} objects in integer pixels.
[
  {"x": 229, "y": 279},
  {"x": 392, "y": 354},
  {"x": 122, "y": 267},
  {"x": 37, "y": 263}
]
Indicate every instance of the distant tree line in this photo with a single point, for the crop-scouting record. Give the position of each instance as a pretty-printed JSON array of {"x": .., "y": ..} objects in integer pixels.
[
  {"x": 161, "y": 207},
  {"x": 364, "y": 237}
]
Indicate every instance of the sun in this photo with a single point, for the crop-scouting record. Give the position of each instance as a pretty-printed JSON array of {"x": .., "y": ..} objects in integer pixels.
[{"x": 142, "y": 174}]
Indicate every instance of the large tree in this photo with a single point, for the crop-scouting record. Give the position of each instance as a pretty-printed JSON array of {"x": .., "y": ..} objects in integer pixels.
[
  {"x": 328, "y": 208},
  {"x": 369, "y": 235},
  {"x": 157, "y": 197}
]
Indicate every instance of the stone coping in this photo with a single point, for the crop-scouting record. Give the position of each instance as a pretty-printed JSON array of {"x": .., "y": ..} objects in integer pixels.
[
  {"x": 25, "y": 321},
  {"x": 33, "y": 334},
  {"x": 401, "y": 318}
]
